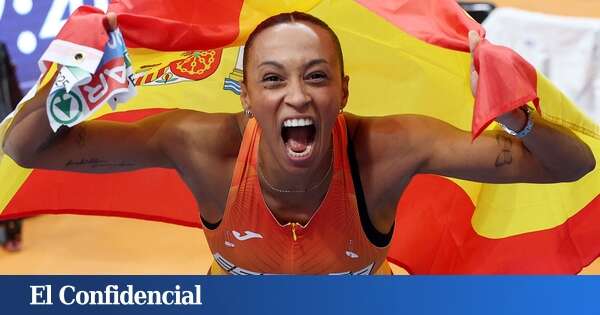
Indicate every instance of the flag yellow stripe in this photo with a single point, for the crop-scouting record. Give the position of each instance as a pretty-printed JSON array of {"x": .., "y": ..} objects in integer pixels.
[
  {"x": 563, "y": 111},
  {"x": 205, "y": 95},
  {"x": 255, "y": 11},
  {"x": 393, "y": 72},
  {"x": 14, "y": 176},
  {"x": 504, "y": 210}
]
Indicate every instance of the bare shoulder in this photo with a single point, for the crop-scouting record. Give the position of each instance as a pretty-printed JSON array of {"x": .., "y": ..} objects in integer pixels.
[
  {"x": 394, "y": 134},
  {"x": 390, "y": 150},
  {"x": 218, "y": 134}
]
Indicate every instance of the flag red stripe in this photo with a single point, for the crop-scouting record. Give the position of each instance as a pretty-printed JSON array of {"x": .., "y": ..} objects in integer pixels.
[
  {"x": 151, "y": 194},
  {"x": 441, "y": 23},
  {"x": 435, "y": 236},
  {"x": 168, "y": 25},
  {"x": 164, "y": 25},
  {"x": 85, "y": 18}
]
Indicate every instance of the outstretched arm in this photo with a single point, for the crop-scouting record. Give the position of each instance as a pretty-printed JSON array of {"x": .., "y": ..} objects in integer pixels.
[
  {"x": 93, "y": 146},
  {"x": 550, "y": 153},
  {"x": 161, "y": 140},
  {"x": 409, "y": 144}
]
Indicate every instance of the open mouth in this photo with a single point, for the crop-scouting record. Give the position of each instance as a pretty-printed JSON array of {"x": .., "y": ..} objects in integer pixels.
[{"x": 298, "y": 135}]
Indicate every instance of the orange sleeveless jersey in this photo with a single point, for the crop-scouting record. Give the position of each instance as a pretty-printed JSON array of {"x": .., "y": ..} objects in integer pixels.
[{"x": 250, "y": 241}]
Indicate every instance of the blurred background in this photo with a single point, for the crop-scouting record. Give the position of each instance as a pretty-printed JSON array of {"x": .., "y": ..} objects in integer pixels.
[{"x": 563, "y": 46}]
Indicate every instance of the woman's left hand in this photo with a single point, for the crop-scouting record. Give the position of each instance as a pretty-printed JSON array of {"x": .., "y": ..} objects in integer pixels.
[
  {"x": 474, "y": 40},
  {"x": 515, "y": 119}
]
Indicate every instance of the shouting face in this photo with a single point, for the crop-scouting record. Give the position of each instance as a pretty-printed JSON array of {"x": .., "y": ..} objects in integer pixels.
[{"x": 295, "y": 89}]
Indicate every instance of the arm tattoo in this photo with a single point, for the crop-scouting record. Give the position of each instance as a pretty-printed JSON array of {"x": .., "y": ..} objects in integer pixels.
[
  {"x": 97, "y": 163},
  {"x": 505, "y": 156}
]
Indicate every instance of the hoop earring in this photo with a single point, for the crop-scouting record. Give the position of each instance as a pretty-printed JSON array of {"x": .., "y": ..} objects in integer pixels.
[{"x": 248, "y": 113}]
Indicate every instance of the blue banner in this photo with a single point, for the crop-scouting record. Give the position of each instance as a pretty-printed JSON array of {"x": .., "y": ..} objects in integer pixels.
[
  {"x": 299, "y": 295},
  {"x": 28, "y": 26}
]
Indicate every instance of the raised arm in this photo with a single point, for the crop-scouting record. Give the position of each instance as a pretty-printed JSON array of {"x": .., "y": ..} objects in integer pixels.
[
  {"x": 94, "y": 146},
  {"x": 546, "y": 153},
  {"x": 549, "y": 153},
  {"x": 404, "y": 145}
]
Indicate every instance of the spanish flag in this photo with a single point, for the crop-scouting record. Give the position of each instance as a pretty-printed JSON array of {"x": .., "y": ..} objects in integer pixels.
[{"x": 404, "y": 56}]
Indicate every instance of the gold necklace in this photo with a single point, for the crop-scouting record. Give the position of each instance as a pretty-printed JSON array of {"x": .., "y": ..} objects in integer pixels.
[{"x": 264, "y": 179}]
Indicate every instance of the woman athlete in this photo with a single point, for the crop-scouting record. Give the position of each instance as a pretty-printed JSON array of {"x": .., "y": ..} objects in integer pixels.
[{"x": 293, "y": 184}]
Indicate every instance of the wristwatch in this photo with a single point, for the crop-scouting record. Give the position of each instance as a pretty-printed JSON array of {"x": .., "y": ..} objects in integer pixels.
[{"x": 528, "y": 126}]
